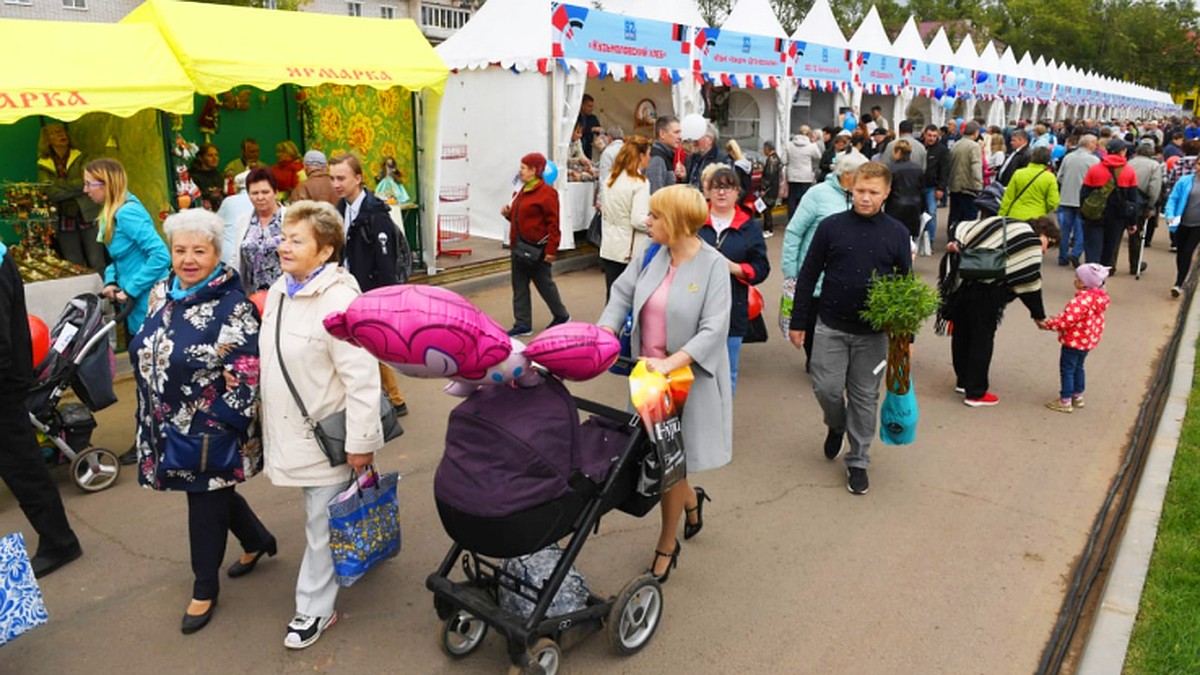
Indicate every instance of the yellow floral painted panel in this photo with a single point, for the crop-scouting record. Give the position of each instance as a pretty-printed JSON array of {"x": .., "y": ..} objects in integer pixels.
[{"x": 371, "y": 124}]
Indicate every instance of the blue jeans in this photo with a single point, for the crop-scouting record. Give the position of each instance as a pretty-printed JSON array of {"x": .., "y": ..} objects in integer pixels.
[
  {"x": 1071, "y": 244},
  {"x": 931, "y": 209},
  {"x": 734, "y": 344},
  {"x": 1070, "y": 370},
  {"x": 1093, "y": 241}
]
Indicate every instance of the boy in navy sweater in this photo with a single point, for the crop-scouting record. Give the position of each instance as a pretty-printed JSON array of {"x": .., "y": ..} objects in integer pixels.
[{"x": 848, "y": 248}]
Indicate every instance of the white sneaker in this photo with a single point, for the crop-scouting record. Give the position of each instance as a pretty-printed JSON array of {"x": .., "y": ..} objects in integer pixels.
[
  {"x": 925, "y": 247},
  {"x": 768, "y": 234},
  {"x": 1176, "y": 291},
  {"x": 305, "y": 630}
]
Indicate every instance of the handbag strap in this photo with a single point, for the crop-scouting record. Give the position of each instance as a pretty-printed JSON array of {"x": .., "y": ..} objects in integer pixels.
[
  {"x": 287, "y": 378},
  {"x": 1031, "y": 181}
]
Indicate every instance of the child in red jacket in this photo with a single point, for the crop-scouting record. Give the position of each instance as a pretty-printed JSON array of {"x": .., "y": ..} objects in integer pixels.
[{"x": 1079, "y": 327}]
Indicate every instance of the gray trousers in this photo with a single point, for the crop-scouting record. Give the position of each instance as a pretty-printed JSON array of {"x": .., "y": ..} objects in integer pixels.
[
  {"x": 540, "y": 274},
  {"x": 316, "y": 587},
  {"x": 846, "y": 383}
]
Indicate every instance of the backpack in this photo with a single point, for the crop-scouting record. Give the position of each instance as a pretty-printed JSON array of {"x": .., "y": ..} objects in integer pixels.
[{"x": 1093, "y": 205}]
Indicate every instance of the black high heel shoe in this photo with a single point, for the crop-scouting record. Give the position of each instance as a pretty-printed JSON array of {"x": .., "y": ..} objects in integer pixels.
[
  {"x": 194, "y": 622},
  {"x": 690, "y": 530},
  {"x": 239, "y": 568},
  {"x": 674, "y": 556}
]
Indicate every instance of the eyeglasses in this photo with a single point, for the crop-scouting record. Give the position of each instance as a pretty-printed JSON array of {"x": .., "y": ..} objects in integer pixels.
[
  {"x": 95, "y": 183},
  {"x": 723, "y": 188}
]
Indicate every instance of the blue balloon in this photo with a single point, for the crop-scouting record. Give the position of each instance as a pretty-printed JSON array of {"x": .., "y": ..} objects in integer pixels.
[
  {"x": 938, "y": 93},
  {"x": 850, "y": 122},
  {"x": 948, "y": 103},
  {"x": 550, "y": 173},
  {"x": 952, "y": 92},
  {"x": 981, "y": 78},
  {"x": 959, "y": 120},
  {"x": 1058, "y": 151}
]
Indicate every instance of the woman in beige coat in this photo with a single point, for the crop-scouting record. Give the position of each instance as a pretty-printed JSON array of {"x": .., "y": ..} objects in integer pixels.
[
  {"x": 626, "y": 206},
  {"x": 329, "y": 375}
]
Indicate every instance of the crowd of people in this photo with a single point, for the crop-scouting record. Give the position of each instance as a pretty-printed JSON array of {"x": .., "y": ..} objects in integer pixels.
[{"x": 683, "y": 246}]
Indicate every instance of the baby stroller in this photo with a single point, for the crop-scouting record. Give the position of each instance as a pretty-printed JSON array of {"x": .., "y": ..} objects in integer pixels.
[
  {"x": 514, "y": 481},
  {"x": 79, "y": 358}
]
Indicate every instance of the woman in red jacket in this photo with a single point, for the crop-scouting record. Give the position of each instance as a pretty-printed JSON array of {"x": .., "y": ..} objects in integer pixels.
[{"x": 534, "y": 236}]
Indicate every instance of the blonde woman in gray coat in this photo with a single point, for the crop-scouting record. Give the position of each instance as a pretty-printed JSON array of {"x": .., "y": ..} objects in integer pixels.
[{"x": 681, "y": 302}]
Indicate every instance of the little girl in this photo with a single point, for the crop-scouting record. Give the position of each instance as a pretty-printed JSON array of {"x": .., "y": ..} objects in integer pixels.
[{"x": 1079, "y": 327}]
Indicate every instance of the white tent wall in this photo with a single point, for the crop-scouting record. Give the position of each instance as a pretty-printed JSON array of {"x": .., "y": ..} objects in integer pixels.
[
  {"x": 495, "y": 138},
  {"x": 616, "y": 103},
  {"x": 429, "y": 154},
  {"x": 566, "y": 98},
  {"x": 764, "y": 109}
]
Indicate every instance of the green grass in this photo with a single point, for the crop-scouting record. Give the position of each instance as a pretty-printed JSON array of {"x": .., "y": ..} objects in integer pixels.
[{"x": 1166, "y": 636}]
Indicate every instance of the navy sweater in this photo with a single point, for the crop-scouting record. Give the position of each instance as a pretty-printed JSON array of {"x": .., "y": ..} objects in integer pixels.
[{"x": 847, "y": 248}]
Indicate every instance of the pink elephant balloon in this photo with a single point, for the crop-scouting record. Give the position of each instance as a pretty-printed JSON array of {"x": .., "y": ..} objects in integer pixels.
[
  {"x": 515, "y": 369},
  {"x": 423, "y": 331},
  {"x": 574, "y": 350}
]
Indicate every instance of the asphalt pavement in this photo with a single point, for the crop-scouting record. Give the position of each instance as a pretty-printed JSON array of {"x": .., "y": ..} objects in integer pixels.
[{"x": 955, "y": 562}]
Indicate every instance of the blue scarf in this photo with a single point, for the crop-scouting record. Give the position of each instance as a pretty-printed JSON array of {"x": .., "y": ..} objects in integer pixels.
[
  {"x": 178, "y": 293},
  {"x": 293, "y": 286}
]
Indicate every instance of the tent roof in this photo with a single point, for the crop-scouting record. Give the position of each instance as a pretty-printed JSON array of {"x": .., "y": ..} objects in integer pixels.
[
  {"x": 966, "y": 55},
  {"x": 939, "y": 50},
  {"x": 517, "y": 33},
  {"x": 221, "y": 47},
  {"x": 138, "y": 72},
  {"x": 756, "y": 18},
  {"x": 871, "y": 37},
  {"x": 989, "y": 58},
  {"x": 909, "y": 42},
  {"x": 821, "y": 27}
]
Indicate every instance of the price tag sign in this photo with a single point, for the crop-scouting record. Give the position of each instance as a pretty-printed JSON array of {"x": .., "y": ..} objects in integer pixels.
[{"x": 64, "y": 338}]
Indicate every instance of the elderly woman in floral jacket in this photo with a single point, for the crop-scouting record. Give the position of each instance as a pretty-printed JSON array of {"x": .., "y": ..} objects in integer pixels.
[{"x": 195, "y": 362}]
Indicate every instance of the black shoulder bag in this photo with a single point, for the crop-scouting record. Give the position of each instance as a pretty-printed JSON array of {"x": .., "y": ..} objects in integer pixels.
[
  {"x": 330, "y": 432},
  {"x": 985, "y": 264}
]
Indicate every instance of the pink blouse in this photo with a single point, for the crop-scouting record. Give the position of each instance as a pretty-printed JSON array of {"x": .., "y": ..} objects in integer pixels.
[{"x": 653, "y": 319}]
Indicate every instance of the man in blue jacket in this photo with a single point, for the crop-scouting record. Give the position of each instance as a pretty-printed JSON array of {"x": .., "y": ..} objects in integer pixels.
[{"x": 848, "y": 355}]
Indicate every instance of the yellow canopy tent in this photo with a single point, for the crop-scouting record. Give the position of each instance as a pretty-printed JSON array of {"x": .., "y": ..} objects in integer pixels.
[
  {"x": 221, "y": 47},
  {"x": 79, "y": 68}
]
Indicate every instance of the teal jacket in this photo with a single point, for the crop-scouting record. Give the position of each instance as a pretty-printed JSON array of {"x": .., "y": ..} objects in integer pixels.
[
  {"x": 139, "y": 258},
  {"x": 818, "y": 203}
]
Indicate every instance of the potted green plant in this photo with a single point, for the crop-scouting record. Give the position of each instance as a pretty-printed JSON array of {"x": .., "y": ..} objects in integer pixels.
[{"x": 899, "y": 305}]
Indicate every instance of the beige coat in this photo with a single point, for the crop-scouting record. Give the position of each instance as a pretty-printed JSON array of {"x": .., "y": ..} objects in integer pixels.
[
  {"x": 329, "y": 375},
  {"x": 626, "y": 207}
]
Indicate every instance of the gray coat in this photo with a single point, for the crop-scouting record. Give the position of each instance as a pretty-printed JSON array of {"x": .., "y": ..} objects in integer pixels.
[{"x": 697, "y": 323}]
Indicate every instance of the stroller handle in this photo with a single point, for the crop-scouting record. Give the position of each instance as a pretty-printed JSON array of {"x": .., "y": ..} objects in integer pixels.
[
  {"x": 625, "y": 362},
  {"x": 123, "y": 310}
]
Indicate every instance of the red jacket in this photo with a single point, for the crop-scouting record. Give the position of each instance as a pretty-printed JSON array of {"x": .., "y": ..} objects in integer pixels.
[
  {"x": 535, "y": 215},
  {"x": 1081, "y": 322}
]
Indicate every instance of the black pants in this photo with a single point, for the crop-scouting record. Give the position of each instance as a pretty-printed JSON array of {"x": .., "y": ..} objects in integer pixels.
[
  {"x": 810, "y": 330},
  {"x": 1113, "y": 229},
  {"x": 1186, "y": 239},
  {"x": 212, "y": 516},
  {"x": 795, "y": 193},
  {"x": 612, "y": 270},
  {"x": 24, "y": 471},
  {"x": 1151, "y": 226},
  {"x": 540, "y": 274},
  {"x": 962, "y": 207},
  {"x": 768, "y": 219},
  {"x": 976, "y": 317}
]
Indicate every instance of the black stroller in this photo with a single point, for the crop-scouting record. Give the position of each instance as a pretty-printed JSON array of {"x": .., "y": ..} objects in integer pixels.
[
  {"x": 494, "y": 454},
  {"x": 79, "y": 358}
]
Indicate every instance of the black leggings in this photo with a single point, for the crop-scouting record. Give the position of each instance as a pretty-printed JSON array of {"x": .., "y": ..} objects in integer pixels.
[
  {"x": 612, "y": 270},
  {"x": 1186, "y": 239}
]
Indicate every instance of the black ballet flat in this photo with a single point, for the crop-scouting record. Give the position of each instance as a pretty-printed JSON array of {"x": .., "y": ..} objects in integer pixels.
[
  {"x": 674, "y": 556},
  {"x": 238, "y": 568},
  {"x": 194, "y": 622},
  {"x": 690, "y": 530}
]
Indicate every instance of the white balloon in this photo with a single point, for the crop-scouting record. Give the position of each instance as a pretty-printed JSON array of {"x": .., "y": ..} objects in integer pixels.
[
  {"x": 692, "y": 126},
  {"x": 951, "y": 78}
]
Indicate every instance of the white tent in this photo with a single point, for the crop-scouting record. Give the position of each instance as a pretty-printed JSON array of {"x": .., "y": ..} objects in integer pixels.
[
  {"x": 939, "y": 51},
  {"x": 968, "y": 57},
  {"x": 909, "y": 43},
  {"x": 757, "y": 18},
  {"x": 989, "y": 62},
  {"x": 872, "y": 39},
  {"x": 507, "y": 96},
  {"x": 820, "y": 27}
]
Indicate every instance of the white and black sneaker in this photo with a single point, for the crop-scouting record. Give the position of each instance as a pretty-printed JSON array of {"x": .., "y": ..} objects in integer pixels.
[
  {"x": 835, "y": 444},
  {"x": 305, "y": 630},
  {"x": 856, "y": 480}
]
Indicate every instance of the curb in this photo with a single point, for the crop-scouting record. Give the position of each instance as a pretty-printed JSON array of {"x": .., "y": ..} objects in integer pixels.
[{"x": 1107, "y": 644}]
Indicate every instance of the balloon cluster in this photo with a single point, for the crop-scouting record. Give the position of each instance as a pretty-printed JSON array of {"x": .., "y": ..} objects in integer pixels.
[{"x": 426, "y": 331}]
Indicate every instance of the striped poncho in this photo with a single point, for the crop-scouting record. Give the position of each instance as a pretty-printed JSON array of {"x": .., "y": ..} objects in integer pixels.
[{"x": 1023, "y": 271}]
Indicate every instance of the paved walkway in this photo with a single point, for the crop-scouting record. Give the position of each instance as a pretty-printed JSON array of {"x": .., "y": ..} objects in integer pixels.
[{"x": 954, "y": 563}]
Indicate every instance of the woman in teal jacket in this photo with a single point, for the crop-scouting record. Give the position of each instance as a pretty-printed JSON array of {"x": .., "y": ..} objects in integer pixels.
[
  {"x": 822, "y": 201},
  {"x": 139, "y": 256}
]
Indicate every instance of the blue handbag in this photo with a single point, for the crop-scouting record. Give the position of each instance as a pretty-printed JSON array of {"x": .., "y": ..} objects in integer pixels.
[
  {"x": 200, "y": 452},
  {"x": 898, "y": 417},
  {"x": 364, "y": 525},
  {"x": 622, "y": 366},
  {"x": 21, "y": 605}
]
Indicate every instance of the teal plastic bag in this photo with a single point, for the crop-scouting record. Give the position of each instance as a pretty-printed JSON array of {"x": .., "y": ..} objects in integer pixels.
[{"x": 898, "y": 417}]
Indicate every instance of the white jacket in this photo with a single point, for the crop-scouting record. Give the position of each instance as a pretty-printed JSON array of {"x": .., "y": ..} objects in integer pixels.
[
  {"x": 626, "y": 205},
  {"x": 329, "y": 375},
  {"x": 801, "y": 160}
]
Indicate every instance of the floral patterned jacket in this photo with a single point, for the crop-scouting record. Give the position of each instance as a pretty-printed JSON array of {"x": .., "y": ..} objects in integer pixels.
[{"x": 180, "y": 357}]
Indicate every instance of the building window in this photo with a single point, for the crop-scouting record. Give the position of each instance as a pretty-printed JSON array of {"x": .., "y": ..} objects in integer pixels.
[
  {"x": 26, "y": 3},
  {"x": 269, "y": 4},
  {"x": 449, "y": 18},
  {"x": 386, "y": 12},
  {"x": 75, "y": 4},
  {"x": 742, "y": 120},
  {"x": 354, "y": 8}
]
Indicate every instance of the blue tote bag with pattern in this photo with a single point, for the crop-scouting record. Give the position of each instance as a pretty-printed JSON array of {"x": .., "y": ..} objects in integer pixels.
[
  {"x": 21, "y": 605},
  {"x": 364, "y": 525}
]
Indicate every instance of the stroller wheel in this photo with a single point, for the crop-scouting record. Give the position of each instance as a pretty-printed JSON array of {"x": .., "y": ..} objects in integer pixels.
[
  {"x": 634, "y": 615},
  {"x": 543, "y": 659},
  {"x": 95, "y": 469},
  {"x": 461, "y": 634}
]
